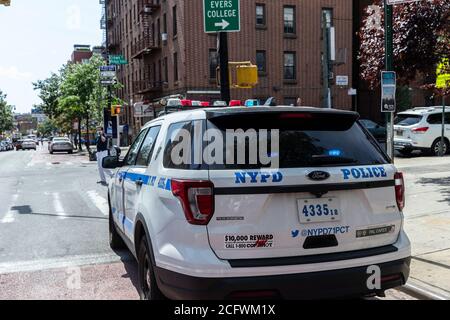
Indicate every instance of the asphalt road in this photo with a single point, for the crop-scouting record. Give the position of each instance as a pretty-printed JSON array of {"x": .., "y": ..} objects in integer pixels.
[{"x": 54, "y": 232}]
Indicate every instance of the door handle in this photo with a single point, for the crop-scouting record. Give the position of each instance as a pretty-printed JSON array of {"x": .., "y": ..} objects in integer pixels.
[{"x": 139, "y": 183}]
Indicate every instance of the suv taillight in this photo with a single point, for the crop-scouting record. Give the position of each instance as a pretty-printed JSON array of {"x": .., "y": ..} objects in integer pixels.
[
  {"x": 400, "y": 190},
  {"x": 420, "y": 130},
  {"x": 197, "y": 199}
]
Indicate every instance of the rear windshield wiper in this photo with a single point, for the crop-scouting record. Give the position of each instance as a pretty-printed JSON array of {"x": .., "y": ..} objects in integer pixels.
[{"x": 326, "y": 159}]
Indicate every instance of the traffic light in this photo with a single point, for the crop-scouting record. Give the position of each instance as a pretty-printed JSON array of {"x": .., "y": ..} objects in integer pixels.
[
  {"x": 6, "y": 3},
  {"x": 116, "y": 111}
]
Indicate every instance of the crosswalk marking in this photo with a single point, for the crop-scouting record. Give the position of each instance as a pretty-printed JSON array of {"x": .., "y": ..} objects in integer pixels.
[
  {"x": 9, "y": 217},
  {"x": 100, "y": 202},
  {"x": 57, "y": 204}
]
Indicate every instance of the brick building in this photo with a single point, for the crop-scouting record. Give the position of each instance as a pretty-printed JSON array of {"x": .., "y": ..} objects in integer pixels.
[
  {"x": 81, "y": 53},
  {"x": 169, "y": 53}
]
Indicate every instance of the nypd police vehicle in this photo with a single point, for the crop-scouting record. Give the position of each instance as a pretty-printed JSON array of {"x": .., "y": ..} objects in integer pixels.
[{"x": 325, "y": 222}]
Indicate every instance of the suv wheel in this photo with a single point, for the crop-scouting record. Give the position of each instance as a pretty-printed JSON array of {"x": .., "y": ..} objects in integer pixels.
[
  {"x": 148, "y": 288},
  {"x": 436, "y": 147}
]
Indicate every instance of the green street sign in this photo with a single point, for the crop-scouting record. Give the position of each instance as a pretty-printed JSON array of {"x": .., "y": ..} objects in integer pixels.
[
  {"x": 117, "y": 60},
  {"x": 221, "y": 16}
]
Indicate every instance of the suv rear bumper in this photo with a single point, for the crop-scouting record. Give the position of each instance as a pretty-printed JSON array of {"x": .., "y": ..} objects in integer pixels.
[{"x": 351, "y": 282}]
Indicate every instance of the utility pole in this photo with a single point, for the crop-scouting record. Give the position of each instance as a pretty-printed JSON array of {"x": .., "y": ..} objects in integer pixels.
[
  {"x": 326, "y": 101},
  {"x": 389, "y": 53},
  {"x": 224, "y": 74}
]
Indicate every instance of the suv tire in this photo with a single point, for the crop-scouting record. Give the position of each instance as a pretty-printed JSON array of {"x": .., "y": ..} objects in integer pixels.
[
  {"x": 147, "y": 285},
  {"x": 435, "y": 147}
]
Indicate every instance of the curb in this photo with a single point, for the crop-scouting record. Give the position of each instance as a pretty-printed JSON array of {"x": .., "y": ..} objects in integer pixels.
[{"x": 423, "y": 291}]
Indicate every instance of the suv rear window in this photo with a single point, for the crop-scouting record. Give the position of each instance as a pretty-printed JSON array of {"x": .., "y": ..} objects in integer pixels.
[
  {"x": 314, "y": 140},
  {"x": 407, "y": 119}
]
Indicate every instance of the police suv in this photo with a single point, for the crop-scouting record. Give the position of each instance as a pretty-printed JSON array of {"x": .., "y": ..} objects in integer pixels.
[{"x": 325, "y": 222}]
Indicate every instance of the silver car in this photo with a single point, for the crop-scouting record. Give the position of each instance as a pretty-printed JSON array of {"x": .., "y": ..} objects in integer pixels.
[
  {"x": 60, "y": 145},
  {"x": 29, "y": 144}
]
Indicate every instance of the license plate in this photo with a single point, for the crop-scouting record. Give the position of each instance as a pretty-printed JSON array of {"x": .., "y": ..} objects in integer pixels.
[
  {"x": 319, "y": 210},
  {"x": 399, "y": 133}
]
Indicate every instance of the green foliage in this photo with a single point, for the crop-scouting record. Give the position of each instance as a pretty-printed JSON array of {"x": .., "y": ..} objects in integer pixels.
[
  {"x": 74, "y": 94},
  {"x": 49, "y": 93},
  {"x": 47, "y": 128},
  {"x": 6, "y": 115}
]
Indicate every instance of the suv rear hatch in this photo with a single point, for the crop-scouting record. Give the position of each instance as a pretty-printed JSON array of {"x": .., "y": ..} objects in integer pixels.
[{"x": 334, "y": 190}]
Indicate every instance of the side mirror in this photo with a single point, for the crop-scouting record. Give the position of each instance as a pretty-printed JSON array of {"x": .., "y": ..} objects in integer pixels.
[
  {"x": 115, "y": 151},
  {"x": 111, "y": 162}
]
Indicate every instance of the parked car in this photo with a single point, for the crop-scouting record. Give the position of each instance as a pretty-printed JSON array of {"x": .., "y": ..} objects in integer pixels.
[
  {"x": 29, "y": 144},
  {"x": 60, "y": 145},
  {"x": 308, "y": 229},
  {"x": 18, "y": 145},
  {"x": 3, "y": 146},
  {"x": 421, "y": 129},
  {"x": 378, "y": 131}
]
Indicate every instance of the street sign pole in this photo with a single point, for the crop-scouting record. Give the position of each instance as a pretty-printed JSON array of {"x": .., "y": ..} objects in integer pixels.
[
  {"x": 389, "y": 50},
  {"x": 224, "y": 74},
  {"x": 441, "y": 148}
]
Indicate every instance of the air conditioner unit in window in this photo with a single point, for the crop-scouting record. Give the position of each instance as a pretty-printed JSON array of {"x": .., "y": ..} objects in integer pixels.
[
  {"x": 164, "y": 37},
  {"x": 147, "y": 9}
]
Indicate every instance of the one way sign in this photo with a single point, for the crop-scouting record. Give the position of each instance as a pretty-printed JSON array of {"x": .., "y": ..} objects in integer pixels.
[{"x": 221, "y": 16}]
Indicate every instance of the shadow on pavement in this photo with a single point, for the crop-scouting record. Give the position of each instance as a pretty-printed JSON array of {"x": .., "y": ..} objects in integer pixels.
[
  {"x": 130, "y": 266},
  {"x": 443, "y": 182}
]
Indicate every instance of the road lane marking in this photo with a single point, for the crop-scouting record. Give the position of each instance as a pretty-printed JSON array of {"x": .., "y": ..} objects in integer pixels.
[
  {"x": 57, "y": 204},
  {"x": 10, "y": 217},
  {"x": 63, "y": 262},
  {"x": 100, "y": 202}
]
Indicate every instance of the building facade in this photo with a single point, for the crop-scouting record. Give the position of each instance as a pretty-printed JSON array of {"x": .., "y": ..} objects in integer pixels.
[{"x": 169, "y": 53}]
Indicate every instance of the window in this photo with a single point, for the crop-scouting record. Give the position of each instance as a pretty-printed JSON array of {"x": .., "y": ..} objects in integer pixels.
[
  {"x": 289, "y": 20},
  {"x": 166, "y": 70},
  {"x": 213, "y": 63},
  {"x": 407, "y": 119},
  {"x": 290, "y": 69},
  {"x": 130, "y": 159},
  {"x": 319, "y": 140},
  {"x": 174, "y": 18},
  {"x": 437, "y": 118},
  {"x": 183, "y": 161},
  {"x": 261, "y": 61},
  {"x": 144, "y": 156},
  {"x": 165, "y": 23},
  {"x": 260, "y": 15},
  {"x": 175, "y": 67}
]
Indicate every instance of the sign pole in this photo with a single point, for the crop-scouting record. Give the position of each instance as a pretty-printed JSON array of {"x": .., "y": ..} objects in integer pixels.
[
  {"x": 441, "y": 148},
  {"x": 389, "y": 53},
  {"x": 224, "y": 74}
]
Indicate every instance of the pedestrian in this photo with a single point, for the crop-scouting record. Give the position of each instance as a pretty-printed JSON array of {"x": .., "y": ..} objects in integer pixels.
[
  {"x": 102, "y": 152},
  {"x": 299, "y": 102}
]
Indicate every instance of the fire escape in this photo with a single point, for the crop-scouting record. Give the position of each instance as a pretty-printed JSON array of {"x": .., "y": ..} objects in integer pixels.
[{"x": 145, "y": 45}]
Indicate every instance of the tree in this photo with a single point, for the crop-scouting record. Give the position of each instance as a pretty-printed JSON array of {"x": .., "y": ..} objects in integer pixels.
[
  {"x": 82, "y": 95},
  {"x": 47, "y": 128},
  {"x": 79, "y": 88},
  {"x": 421, "y": 40},
  {"x": 6, "y": 115},
  {"x": 49, "y": 93}
]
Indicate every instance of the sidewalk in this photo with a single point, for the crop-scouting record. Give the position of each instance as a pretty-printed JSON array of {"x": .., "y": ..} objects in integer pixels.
[{"x": 427, "y": 221}]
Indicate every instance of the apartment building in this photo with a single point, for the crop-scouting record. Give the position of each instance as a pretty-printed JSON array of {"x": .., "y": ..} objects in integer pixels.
[{"x": 169, "y": 53}]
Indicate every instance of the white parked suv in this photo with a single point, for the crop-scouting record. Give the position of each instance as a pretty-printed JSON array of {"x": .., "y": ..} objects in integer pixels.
[
  {"x": 318, "y": 225},
  {"x": 421, "y": 129}
]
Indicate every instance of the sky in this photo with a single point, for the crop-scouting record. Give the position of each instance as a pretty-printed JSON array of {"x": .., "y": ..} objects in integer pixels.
[{"x": 37, "y": 38}]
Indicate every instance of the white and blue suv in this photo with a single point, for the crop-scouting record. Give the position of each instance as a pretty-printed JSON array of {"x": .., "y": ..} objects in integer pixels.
[{"x": 205, "y": 219}]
